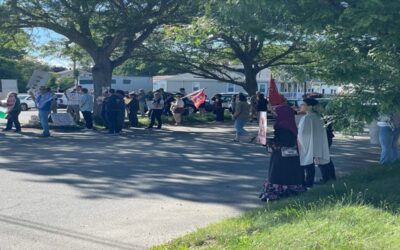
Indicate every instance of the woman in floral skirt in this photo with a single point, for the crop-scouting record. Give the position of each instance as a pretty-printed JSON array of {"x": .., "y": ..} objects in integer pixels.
[{"x": 285, "y": 175}]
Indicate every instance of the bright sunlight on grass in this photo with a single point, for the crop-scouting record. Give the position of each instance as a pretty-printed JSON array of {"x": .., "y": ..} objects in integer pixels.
[{"x": 360, "y": 211}]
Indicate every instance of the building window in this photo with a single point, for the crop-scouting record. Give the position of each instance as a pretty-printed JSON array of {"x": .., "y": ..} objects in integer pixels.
[
  {"x": 334, "y": 92},
  {"x": 262, "y": 88},
  {"x": 312, "y": 90},
  {"x": 230, "y": 87},
  {"x": 1, "y": 86},
  {"x": 323, "y": 91},
  {"x": 113, "y": 81},
  {"x": 331, "y": 91},
  {"x": 84, "y": 82},
  {"x": 126, "y": 81},
  {"x": 195, "y": 86}
]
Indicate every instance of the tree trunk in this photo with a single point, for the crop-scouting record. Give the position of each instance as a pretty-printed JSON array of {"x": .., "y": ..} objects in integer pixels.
[
  {"x": 102, "y": 76},
  {"x": 251, "y": 85}
]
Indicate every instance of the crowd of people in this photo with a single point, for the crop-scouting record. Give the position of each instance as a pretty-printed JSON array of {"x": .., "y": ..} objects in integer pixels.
[{"x": 297, "y": 149}]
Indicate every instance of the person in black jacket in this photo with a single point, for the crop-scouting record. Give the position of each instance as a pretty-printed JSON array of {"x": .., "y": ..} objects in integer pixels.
[
  {"x": 120, "y": 110},
  {"x": 133, "y": 108},
  {"x": 114, "y": 108},
  {"x": 14, "y": 109}
]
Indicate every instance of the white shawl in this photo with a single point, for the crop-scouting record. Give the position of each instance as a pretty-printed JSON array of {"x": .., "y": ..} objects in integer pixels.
[{"x": 313, "y": 140}]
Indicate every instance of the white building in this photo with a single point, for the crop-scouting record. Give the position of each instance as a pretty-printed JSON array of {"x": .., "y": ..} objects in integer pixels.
[
  {"x": 191, "y": 83},
  {"x": 7, "y": 85},
  {"x": 125, "y": 83}
]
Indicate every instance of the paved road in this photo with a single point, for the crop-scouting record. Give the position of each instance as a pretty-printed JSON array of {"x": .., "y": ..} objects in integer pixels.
[{"x": 94, "y": 191}]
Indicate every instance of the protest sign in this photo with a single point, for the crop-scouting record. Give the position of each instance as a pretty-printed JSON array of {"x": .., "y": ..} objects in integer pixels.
[
  {"x": 262, "y": 129},
  {"x": 62, "y": 119},
  {"x": 38, "y": 78}
]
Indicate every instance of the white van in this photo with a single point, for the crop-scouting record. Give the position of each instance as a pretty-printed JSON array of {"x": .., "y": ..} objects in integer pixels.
[{"x": 6, "y": 86}]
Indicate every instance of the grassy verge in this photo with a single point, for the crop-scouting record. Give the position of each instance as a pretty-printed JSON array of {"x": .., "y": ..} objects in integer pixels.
[
  {"x": 192, "y": 119},
  {"x": 360, "y": 211}
]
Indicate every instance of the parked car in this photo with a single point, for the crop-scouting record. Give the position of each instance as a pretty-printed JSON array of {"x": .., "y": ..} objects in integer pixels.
[
  {"x": 26, "y": 102},
  {"x": 62, "y": 100}
]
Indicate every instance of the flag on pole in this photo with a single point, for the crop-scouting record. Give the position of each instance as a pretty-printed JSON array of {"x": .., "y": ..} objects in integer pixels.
[
  {"x": 198, "y": 98},
  {"x": 273, "y": 95},
  {"x": 3, "y": 112}
]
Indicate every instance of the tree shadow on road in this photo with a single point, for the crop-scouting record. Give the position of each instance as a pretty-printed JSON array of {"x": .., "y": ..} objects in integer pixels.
[
  {"x": 200, "y": 167},
  {"x": 195, "y": 166}
]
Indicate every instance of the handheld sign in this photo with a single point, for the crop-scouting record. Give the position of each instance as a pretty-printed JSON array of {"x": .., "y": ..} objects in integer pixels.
[{"x": 262, "y": 129}]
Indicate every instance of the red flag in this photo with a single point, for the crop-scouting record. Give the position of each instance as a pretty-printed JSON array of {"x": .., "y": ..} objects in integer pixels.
[
  {"x": 199, "y": 98},
  {"x": 273, "y": 95}
]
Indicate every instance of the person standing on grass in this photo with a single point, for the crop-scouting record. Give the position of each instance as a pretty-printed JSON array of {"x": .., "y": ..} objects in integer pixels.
[
  {"x": 218, "y": 109},
  {"x": 142, "y": 102},
  {"x": 112, "y": 103},
  {"x": 133, "y": 108},
  {"x": 178, "y": 108},
  {"x": 241, "y": 116},
  {"x": 328, "y": 172},
  {"x": 13, "y": 111},
  {"x": 389, "y": 133},
  {"x": 285, "y": 176},
  {"x": 43, "y": 103},
  {"x": 313, "y": 141},
  {"x": 86, "y": 107},
  {"x": 121, "y": 110},
  {"x": 156, "y": 108},
  {"x": 103, "y": 102}
]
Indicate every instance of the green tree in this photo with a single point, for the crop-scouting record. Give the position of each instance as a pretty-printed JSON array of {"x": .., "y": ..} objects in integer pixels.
[
  {"x": 235, "y": 40},
  {"x": 14, "y": 60},
  {"x": 108, "y": 30}
]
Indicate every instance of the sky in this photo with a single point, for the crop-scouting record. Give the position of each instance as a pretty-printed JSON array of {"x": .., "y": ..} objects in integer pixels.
[{"x": 42, "y": 36}]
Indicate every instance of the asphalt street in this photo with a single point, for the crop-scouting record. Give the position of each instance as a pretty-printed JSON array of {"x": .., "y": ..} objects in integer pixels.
[{"x": 89, "y": 190}]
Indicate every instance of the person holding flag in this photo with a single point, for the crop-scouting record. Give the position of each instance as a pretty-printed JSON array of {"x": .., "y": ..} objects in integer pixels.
[
  {"x": 274, "y": 97},
  {"x": 198, "y": 98}
]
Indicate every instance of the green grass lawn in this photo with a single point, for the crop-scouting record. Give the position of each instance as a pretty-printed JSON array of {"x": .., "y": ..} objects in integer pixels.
[
  {"x": 191, "y": 119},
  {"x": 360, "y": 211}
]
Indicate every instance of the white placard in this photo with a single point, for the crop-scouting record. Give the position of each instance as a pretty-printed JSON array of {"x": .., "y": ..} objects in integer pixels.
[
  {"x": 39, "y": 78},
  {"x": 262, "y": 129},
  {"x": 62, "y": 119}
]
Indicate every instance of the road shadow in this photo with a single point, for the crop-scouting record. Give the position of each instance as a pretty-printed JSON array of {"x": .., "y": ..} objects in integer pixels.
[
  {"x": 195, "y": 166},
  {"x": 200, "y": 167}
]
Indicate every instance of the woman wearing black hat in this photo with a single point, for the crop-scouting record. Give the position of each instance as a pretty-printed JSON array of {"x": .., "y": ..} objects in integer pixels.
[{"x": 313, "y": 141}]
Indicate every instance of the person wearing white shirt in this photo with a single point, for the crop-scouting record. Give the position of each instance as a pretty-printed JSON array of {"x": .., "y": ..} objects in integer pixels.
[
  {"x": 313, "y": 141},
  {"x": 86, "y": 107},
  {"x": 156, "y": 108},
  {"x": 389, "y": 133}
]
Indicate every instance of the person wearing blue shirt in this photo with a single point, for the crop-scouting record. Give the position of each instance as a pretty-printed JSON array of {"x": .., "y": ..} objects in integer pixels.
[{"x": 43, "y": 103}]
